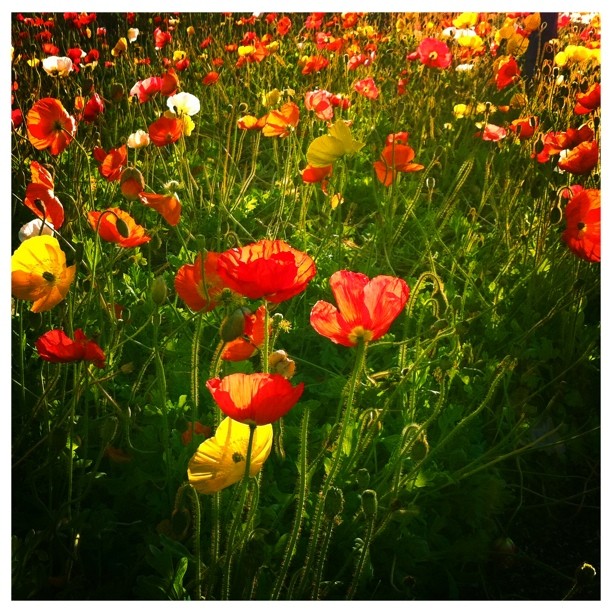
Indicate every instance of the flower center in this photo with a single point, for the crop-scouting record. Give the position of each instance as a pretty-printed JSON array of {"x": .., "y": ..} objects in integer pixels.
[
  {"x": 581, "y": 226},
  {"x": 433, "y": 56},
  {"x": 360, "y": 332},
  {"x": 48, "y": 276},
  {"x": 237, "y": 458}
]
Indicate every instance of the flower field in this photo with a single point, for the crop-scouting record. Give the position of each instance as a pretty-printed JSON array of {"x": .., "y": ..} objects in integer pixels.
[{"x": 305, "y": 306}]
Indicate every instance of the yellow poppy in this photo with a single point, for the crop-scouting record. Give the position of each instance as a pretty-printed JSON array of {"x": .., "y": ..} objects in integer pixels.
[
  {"x": 220, "y": 461},
  {"x": 325, "y": 150},
  {"x": 39, "y": 273}
]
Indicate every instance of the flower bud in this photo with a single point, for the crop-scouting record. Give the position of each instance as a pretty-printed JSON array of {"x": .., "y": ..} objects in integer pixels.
[
  {"x": 232, "y": 326},
  {"x": 369, "y": 503},
  {"x": 334, "y": 502},
  {"x": 159, "y": 290},
  {"x": 363, "y": 478},
  {"x": 280, "y": 363}
]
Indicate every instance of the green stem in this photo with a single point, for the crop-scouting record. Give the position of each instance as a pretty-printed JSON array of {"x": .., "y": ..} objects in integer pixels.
[
  {"x": 347, "y": 422},
  {"x": 229, "y": 549}
]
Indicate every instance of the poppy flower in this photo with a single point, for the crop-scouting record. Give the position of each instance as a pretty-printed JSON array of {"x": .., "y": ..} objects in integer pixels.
[
  {"x": 165, "y": 130},
  {"x": 434, "y": 53},
  {"x": 35, "y": 227},
  {"x": 524, "y": 127},
  {"x": 211, "y": 78},
  {"x": 283, "y": 25},
  {"x": 120, "y": 48},
  {"x": 39, "y": 273},
  {"x": 55, "y": 346},
  {"x": 131, "y": 183},
  {"x": 161, "y": 38},
  {"x": 195, "y": 427},
  {"x": 111, "y": 164},
  {"x": 115, "y": 225},
  {"x": 367, "y": 88},
  {"x": 50, "y": 126},
  {"x": 326, "y": 149},
  {"x": 508, "y": 72},
  {"x": 281, "y": 122},
  {"x": 393, "y": 159},
  {"x": 143, "y": 90},
  {"x": 313, "y": 63},
  {"x": 184, "y": 103},
  {"x": 366, "y": 307},
  {"x": 169, "y": 82},
  {"x": 555, "y": 142},
  {"x": 588, "y": 101},
  {"x": 93, "y": 108},
  {"x": 251, "y": 339},
  {"x": 492, "y": 133},
  {"x": 57, "y": 66},
  {"x": 313, "y": 174},
  {"x": 138, "y": 140},
  {"x": 198, "y": 284},
  {"x": 16, "y": 118},
  {"x": 583, "y": 225},
  {"x": 581, "y": 159},
  {"x": 319, "y": 101},
  {"x": 254, "y": 399},
  {"x": 219, "y": 462},
  {"x": 250, "y": 122},
  {"x": 269, "y": 269},
  {"x": 168, "y": 206},
  {"x": 39, "y": 196}
]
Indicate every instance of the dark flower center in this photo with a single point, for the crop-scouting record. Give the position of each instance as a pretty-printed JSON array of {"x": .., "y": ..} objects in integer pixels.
[
  {"x": 48, "y": 276},
  {"x": 581, "y": 225},
  {"x": 237, "y": 458}
]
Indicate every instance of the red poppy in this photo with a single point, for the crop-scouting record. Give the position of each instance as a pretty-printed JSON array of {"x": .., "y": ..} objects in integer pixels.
[
  {"x": 269, "y": 269},
  {"x": 40, "y": 199},
  {"x": 314, "y": 63},
  {"x": 199, "y": 284},
  {"x": 583, "y": 231},
  {"x": 115, "y": 225},
  {"x": 161, "y": 38},
  {"x": 166, "y": 130},
  {"x": 434, "y": 53},
  {"x": 143, "y": 90},
  {"x": 250, "y": 341},
  {"x": 131, "y": 183},
  {"x": 508, "y": 72},
  {"x": 111, "y": 164},
  {"x": 524, "y": 127},
  {"x": 93, "y": 108},
  {"x": 581, "y": 159},
  {"x": 393, "y": 159},
  {"x": 168, "y": 206},
  {"x": 169, "y": 83},
  {"x": 588, "y": 101},
  {"x": 50, "y": 126},
  {"x": 211, "y": 78},
  {"x": 367, "y": 88},
  {"x": 314, "y": 21},
  {"x": 366, "y": 308},
  {"x": 555, "y": 142},
  {"x": 195, "y": 427},
  {"x": 16, "y": 118},
  {"x": 256, "y": 399},
  {"x": 281, "y": 122},
  {"x": 55, "y": 346},
  {"x": 312, "y": 174},
  {"x": 283, "y": 26},
  {"x": 398, "y": 137},
  {"x": 319, "y": 101}
]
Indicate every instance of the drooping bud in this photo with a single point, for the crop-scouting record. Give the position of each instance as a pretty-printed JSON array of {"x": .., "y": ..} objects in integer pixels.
[
  {"x": 232, "y": 326},
  {"x": 159, "y": 290},
  {"x": 334, "y": 502},
  {"x": 369, "y": 503},
  {"x": 280, "y": 363}
]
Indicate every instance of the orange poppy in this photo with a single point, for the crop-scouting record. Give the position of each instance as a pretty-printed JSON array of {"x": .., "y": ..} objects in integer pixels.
[
  {"x": 40, "y": 199},
  {"x": 168, "y": 206},
  {"x": 131, "y": 183},
  {"x": 115, "y": 225},
  {"x": 251, "y": 340},
  {"x": 588, "y": 101},
  {"x": 166, "y": 130},
  {"x": 111, "y": 164},
  {"x": 198, "y": 284},
  {"x": 366, "y": 307},
  {"x": 50, "y": 126},
  {"x": 393, "y": 159},
  {"x": 583, "y": 232},
  {"x": 281, "y": 122},
  {"x": 254, "y": 399},
  {"x": 269, "y": 269},
  {"x": 581, "y": 159},
  {"x": 250, "y": 122},
  {"x": 170, "y": 82},
  {"x": 508, "y": 72},
  {"x": 313, "y": 174}
]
